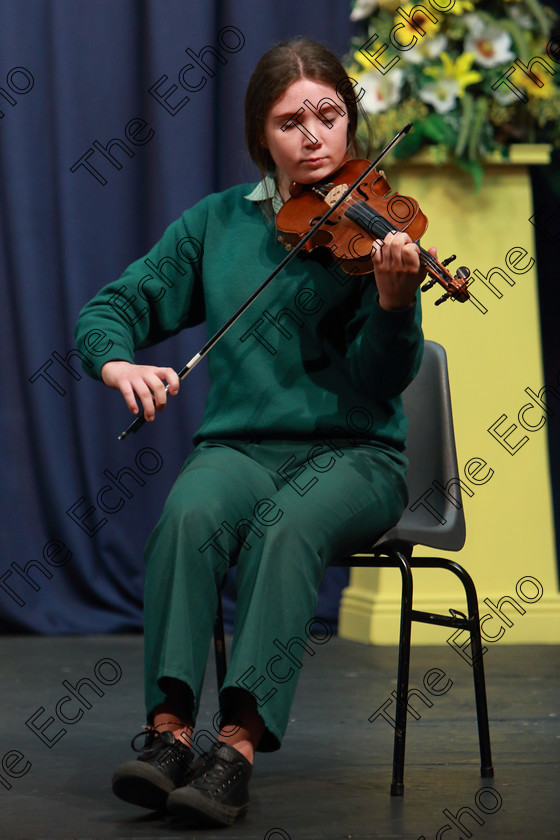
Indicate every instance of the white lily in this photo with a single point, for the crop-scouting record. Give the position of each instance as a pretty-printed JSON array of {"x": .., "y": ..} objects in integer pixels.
[
  {"x": 425, "y": 49},
  {"x": 441, "y": 94},
  {"x": 489, "y": 44},
  {"x": 381, "y": 92}
]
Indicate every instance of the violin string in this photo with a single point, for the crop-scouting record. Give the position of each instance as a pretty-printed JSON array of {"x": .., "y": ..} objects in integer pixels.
[{"x": 386, "y": 227}]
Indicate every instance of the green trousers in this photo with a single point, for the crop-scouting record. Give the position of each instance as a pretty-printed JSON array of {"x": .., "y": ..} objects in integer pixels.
[{"x": 279, "y": 511}]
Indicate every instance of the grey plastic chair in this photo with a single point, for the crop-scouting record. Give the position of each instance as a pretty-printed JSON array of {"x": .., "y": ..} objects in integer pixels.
[{"x": 433, "y": 465}]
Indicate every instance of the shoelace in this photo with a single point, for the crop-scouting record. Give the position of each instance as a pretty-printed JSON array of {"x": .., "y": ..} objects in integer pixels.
[
  {"x": 212, "y": 776},
  {"x": 150, "y": 733}
]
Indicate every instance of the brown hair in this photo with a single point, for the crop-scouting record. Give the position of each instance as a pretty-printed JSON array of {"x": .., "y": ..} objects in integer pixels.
[{"x": 279, "y": 67}]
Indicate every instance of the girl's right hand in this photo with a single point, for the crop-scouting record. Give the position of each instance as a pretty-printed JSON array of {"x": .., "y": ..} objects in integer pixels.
[{"x": 145, "y": 382}]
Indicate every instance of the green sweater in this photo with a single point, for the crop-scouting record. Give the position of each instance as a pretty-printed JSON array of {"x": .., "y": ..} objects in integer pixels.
[{"x": 314, "y": 354}]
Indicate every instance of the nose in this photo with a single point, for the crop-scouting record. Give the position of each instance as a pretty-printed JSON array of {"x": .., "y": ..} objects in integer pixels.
[
  {"x": 312, "y": 141},
  {"x": 315, "y": 134}
]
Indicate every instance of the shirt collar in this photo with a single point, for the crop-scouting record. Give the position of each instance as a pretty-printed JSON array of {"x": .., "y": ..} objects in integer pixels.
[{"x": 267, "y": 190}]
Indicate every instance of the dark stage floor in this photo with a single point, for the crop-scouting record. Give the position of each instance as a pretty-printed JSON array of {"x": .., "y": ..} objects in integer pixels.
[{"x": 330, "y": 779}]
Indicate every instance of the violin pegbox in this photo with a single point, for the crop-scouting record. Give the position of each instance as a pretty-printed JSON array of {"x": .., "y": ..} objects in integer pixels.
[{"x": 456, "y": 286}]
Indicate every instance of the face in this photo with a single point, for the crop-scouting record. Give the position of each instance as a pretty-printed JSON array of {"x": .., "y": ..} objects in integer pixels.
[{"x": 311, "y": 148}]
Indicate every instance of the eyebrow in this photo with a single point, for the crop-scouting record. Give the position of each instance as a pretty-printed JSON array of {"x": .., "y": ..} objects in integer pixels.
[{"x": 289, "y": 114}]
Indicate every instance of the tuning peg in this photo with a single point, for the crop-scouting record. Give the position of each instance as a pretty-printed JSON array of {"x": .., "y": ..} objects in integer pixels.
[
  {"x": 428, "y": 285},
  {"x": 463, "y": 273},
  {"x": 446, "y": 296},
  {"x": 449, "y": 259}
]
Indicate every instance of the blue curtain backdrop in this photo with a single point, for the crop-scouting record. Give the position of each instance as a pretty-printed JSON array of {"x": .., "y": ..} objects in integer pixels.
[{"x": 100, "y": 149}]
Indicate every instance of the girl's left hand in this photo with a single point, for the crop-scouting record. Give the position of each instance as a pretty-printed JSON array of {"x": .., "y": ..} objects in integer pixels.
[{"x": 398, "y": 271}]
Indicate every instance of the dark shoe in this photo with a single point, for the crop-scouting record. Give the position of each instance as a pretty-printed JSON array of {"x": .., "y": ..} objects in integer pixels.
[
  {"x": 164, "y": 763},
  {"x": 219, "y": 792}
]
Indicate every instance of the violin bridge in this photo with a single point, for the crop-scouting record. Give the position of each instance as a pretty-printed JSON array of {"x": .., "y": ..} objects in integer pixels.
[{"x": 333, "y": 195}]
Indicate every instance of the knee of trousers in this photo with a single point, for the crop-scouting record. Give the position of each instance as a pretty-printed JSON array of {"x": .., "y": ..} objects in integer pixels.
[
  {"x": 286, "y": 550},
  {"x": 193, "y": 535}
]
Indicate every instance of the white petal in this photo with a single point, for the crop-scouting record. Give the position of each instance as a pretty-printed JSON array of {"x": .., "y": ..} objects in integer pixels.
[
  {"x": 441, "y": 95},
  {"x": 363, "y": 9}
]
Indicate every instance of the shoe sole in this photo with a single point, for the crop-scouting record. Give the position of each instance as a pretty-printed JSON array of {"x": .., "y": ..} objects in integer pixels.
[
  {"x": 141, "y": 784},
  {"x": 189, "y": 804}
]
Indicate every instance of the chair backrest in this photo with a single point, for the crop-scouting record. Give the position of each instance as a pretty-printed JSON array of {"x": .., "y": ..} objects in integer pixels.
[{"x": 434, "y": 515}]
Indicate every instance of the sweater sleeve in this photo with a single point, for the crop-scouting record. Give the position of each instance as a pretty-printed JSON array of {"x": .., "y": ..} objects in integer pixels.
[
  {"x": 385, "y": 347},
  {"x": 156, "y": 297}
]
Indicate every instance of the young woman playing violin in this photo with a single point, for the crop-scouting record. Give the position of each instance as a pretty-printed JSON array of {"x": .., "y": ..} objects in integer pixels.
[{"x": 301, "y": 444}]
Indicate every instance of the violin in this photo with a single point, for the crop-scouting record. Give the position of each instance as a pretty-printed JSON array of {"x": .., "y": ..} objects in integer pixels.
[{"x": 369, "y": 212}]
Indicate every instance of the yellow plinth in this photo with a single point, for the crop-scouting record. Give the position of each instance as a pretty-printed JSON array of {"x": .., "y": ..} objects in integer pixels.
[{"x": 494, "y": 354}]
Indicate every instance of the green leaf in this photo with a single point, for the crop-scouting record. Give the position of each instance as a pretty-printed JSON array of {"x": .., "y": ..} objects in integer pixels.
[
  {"x": 437, "y": 129},
  {"x": 466, "y": 119},
  {"x": 473, "y": 168},
  {"x": 540, "y": 16},
  {"x": 410, "y": 144},
  {"x": 480, "y": 112}
]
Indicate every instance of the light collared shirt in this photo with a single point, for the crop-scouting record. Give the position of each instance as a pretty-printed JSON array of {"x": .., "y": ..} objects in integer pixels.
[{"x": 267, "y": 190}]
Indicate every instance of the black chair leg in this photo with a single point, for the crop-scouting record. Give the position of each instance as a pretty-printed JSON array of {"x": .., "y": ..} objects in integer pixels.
[
  {"x": 220, "y": 644},
  {"x": 397, "y": 784},
  {"x": 486, "y": 768}
]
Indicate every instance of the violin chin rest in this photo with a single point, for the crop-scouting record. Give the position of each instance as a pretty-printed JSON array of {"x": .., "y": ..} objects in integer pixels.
[{"x": 296, "y": 189}]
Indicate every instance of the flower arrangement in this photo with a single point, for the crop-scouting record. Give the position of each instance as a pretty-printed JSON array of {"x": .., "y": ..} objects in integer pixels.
[{"x": 473, "y": 77}]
